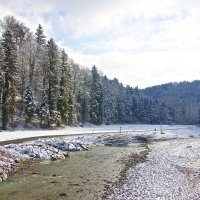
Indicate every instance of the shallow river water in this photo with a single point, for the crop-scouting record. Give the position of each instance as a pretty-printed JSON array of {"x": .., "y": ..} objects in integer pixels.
[{"x": 81, "y": 176}]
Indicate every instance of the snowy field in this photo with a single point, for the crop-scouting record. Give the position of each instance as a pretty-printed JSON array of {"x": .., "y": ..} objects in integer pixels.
[{"x": 91, "y": 129}]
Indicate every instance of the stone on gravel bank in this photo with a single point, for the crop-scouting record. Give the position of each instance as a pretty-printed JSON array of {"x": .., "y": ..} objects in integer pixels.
[{"x": 3, "y": 175}]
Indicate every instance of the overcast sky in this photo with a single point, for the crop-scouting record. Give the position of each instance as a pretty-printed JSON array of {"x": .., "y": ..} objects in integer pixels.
[{"x": 141, "y": 42}]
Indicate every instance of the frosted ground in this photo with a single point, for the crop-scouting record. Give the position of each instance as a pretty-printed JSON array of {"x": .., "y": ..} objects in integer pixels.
[
  {"x": 91, "y": 129},
  {"x": 171, "y": 171}
]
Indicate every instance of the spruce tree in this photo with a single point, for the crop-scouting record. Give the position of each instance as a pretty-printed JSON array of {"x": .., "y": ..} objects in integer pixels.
[
  {"x": 96, "y": 98},
  {"x": 53, "y": 82},
  {"x": 66, "y": 102},
  {"x": 83, "y": 97},
  {"x": 41, "y": 59},
  {"x": 109, "y": 101},
  {"x": 10, "y": 70},
  {"x": 71, "y": 113},
  {"x": 44, "y": 110},
  {"x": 29, "y": 102},
  {"x": 40, "y": 37}
]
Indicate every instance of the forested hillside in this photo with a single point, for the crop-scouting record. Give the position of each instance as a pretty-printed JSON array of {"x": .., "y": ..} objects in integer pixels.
[
  {"x": 180, "y": 102},
  {"x": 41, "y": 85}
]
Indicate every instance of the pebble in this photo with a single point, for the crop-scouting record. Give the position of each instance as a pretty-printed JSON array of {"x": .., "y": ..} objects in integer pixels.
[
  {"x": 3, "y": 175},
  {"x": 63, "y": 194}
]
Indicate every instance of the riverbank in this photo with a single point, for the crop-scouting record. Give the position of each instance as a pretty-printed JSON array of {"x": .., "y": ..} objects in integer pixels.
[
  {"x": 13, "y": 155},
  {"x": 172, "y": 171},
  {"x": 129, "y": 162},
  {"x": 84, "y": 175}
]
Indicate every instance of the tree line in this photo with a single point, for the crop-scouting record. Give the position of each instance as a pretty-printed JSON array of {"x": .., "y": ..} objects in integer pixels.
[{"x": 41, "y": 85}]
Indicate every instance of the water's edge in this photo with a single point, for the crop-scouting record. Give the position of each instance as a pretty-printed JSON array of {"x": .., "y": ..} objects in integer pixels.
[{"x": 85, "y": 175}]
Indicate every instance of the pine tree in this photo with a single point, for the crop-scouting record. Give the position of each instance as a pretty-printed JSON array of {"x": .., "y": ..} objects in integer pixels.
[
  {"x": 11, "y": 77},
  {"x": 30, "y": 107},
  {"x": 66, "y": 100},
  {"x": 44, "y": 110},
  {"x": 96, "y": 98},
  {"x": 53, "y": 82}
]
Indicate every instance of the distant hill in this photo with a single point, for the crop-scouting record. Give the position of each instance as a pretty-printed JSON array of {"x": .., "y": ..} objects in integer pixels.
[
  {"x": 181, "y": 90},
  {"x": 180, "y": 102}
]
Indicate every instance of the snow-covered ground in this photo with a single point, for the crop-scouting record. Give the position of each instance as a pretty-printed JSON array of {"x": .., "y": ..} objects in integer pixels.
[
  {"x": 91, "y": 129},
  {"x": 172, "y": 171}
]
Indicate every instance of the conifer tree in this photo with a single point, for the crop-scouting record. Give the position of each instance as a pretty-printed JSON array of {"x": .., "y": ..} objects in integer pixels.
[
  {"x": 66, "y": 102},
  {"x": 30, "y": 107},
  {"x": 44, "y": 110},
  {"x": 41, "y": 58},
  {"x": 129, "y": 103},
  {"x": 71, "y": 114},
  {"x": 53, "y": 82},
  {"x": 10, "y": 70},
  {"x": 96, "y": 98},
  {"x": 109, "y": 101},
  {"x": 40, "y": 37},
  {"x": 22, "y": 37},
  {"x": 83, "y": 97}
]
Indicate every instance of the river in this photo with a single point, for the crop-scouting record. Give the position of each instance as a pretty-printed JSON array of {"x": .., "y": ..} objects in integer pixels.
[{"x": 84, "y": 175}]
